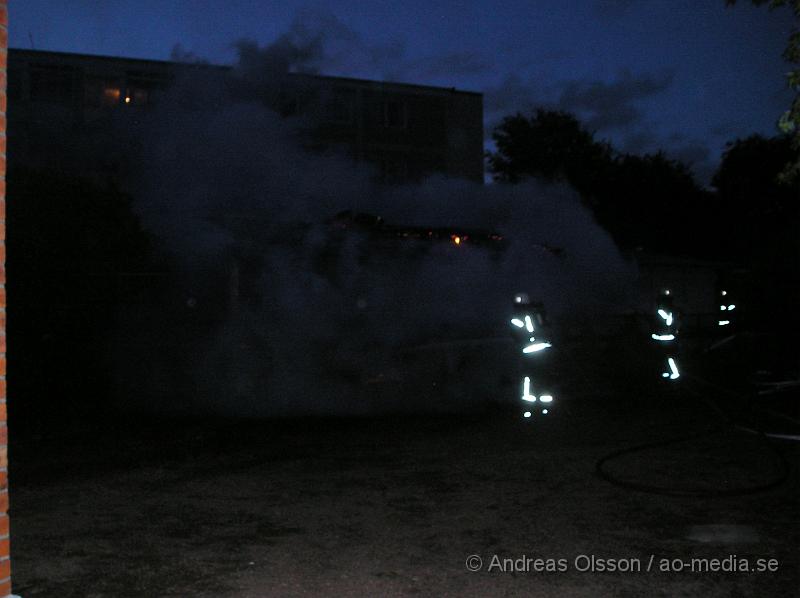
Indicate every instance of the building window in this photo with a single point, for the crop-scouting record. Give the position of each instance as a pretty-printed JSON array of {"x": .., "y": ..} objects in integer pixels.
[
  {"x": 395, "y": 114},
  {"x": 110, "y": 96},
  {"x": 103, "y": 92},
  {"x": 142, "y": 85},
  {"x": 340, "y": 107},
  {"x": 53, "y": 83},
  {"x": 136, "y": 96},
  {"x": 288, "y": 104}
]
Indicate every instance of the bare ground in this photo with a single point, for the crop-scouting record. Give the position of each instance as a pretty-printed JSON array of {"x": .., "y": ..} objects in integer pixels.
[{"x": 394, "y": 505}]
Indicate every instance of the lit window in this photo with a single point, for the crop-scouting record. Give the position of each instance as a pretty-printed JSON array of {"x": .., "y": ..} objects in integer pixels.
[
  {"x": 102, "y": 91},
  {"x": 111, "y": 96}
]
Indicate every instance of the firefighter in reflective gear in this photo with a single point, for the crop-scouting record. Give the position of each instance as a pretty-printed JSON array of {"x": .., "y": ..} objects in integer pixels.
[
  {"x": 530, "y": 329},
  {"x": 726, "y": 322},
  {"x": 665, "y": 335},
  {"x": 726, "y": 319}
]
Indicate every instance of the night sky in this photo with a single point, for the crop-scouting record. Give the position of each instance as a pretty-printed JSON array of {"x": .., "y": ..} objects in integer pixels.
[{"x": 681, "y": 75}]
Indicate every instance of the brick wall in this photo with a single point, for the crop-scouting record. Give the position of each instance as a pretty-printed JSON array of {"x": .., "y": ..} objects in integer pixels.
[{"x": 5, "y": 563}]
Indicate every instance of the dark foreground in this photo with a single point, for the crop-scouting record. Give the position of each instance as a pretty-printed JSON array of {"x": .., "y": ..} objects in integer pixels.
[{"x": 396, "y": 505}]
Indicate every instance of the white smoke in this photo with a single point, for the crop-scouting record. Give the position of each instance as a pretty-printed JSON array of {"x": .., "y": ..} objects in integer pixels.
[{"x": 269, "y": 312}]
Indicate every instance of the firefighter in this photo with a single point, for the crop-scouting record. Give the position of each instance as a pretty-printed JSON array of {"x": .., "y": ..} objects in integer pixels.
[
  {"x": 727, "y": 313},
  {"x": 726, "y": 319},
  {"x": 531, "y": 332},
  {"x": 665, "y": 334}
]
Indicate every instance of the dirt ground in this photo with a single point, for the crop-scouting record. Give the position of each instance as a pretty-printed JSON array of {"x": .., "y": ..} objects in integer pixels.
[{"x": 395, "y": 506}]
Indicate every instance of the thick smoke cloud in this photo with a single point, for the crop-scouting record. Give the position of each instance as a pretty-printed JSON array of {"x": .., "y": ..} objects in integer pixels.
[
  {"x": 270, "y": 311},
  {"x": 317, "y": 41}
]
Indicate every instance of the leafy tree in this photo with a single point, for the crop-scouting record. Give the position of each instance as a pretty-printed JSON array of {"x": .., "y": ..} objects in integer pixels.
[
  {"x": 551, "y": 145},
  {"x": 70, "y": 241},
  {"x": 643, "y": 201},
  {"x": 654, "y": 203},
  {"x": 761, "y": 209},
  {"x": 789, "y": 123},
  {"x": 748, "y": 170}
]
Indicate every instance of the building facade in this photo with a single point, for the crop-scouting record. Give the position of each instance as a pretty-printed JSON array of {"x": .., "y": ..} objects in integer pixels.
[{"x": 407, "y": 131}]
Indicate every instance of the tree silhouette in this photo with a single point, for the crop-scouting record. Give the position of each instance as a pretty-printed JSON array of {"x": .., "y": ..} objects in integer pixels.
[
  {"x": 653, "y": 202},
  {"x": 648, "y": 202},
  {"x": 71, "y": 250},
  {"x": 763, "y": 209},
  {"x": 789, "y": 122},
  {"x": 551, "y": 145}
]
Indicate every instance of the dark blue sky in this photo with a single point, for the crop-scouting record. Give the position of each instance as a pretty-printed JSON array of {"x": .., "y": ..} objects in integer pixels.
[{"x": 682, "y": 75}]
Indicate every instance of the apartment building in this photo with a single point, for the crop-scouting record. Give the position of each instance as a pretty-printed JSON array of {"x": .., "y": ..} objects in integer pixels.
[{"x": 58, "y": 101}]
